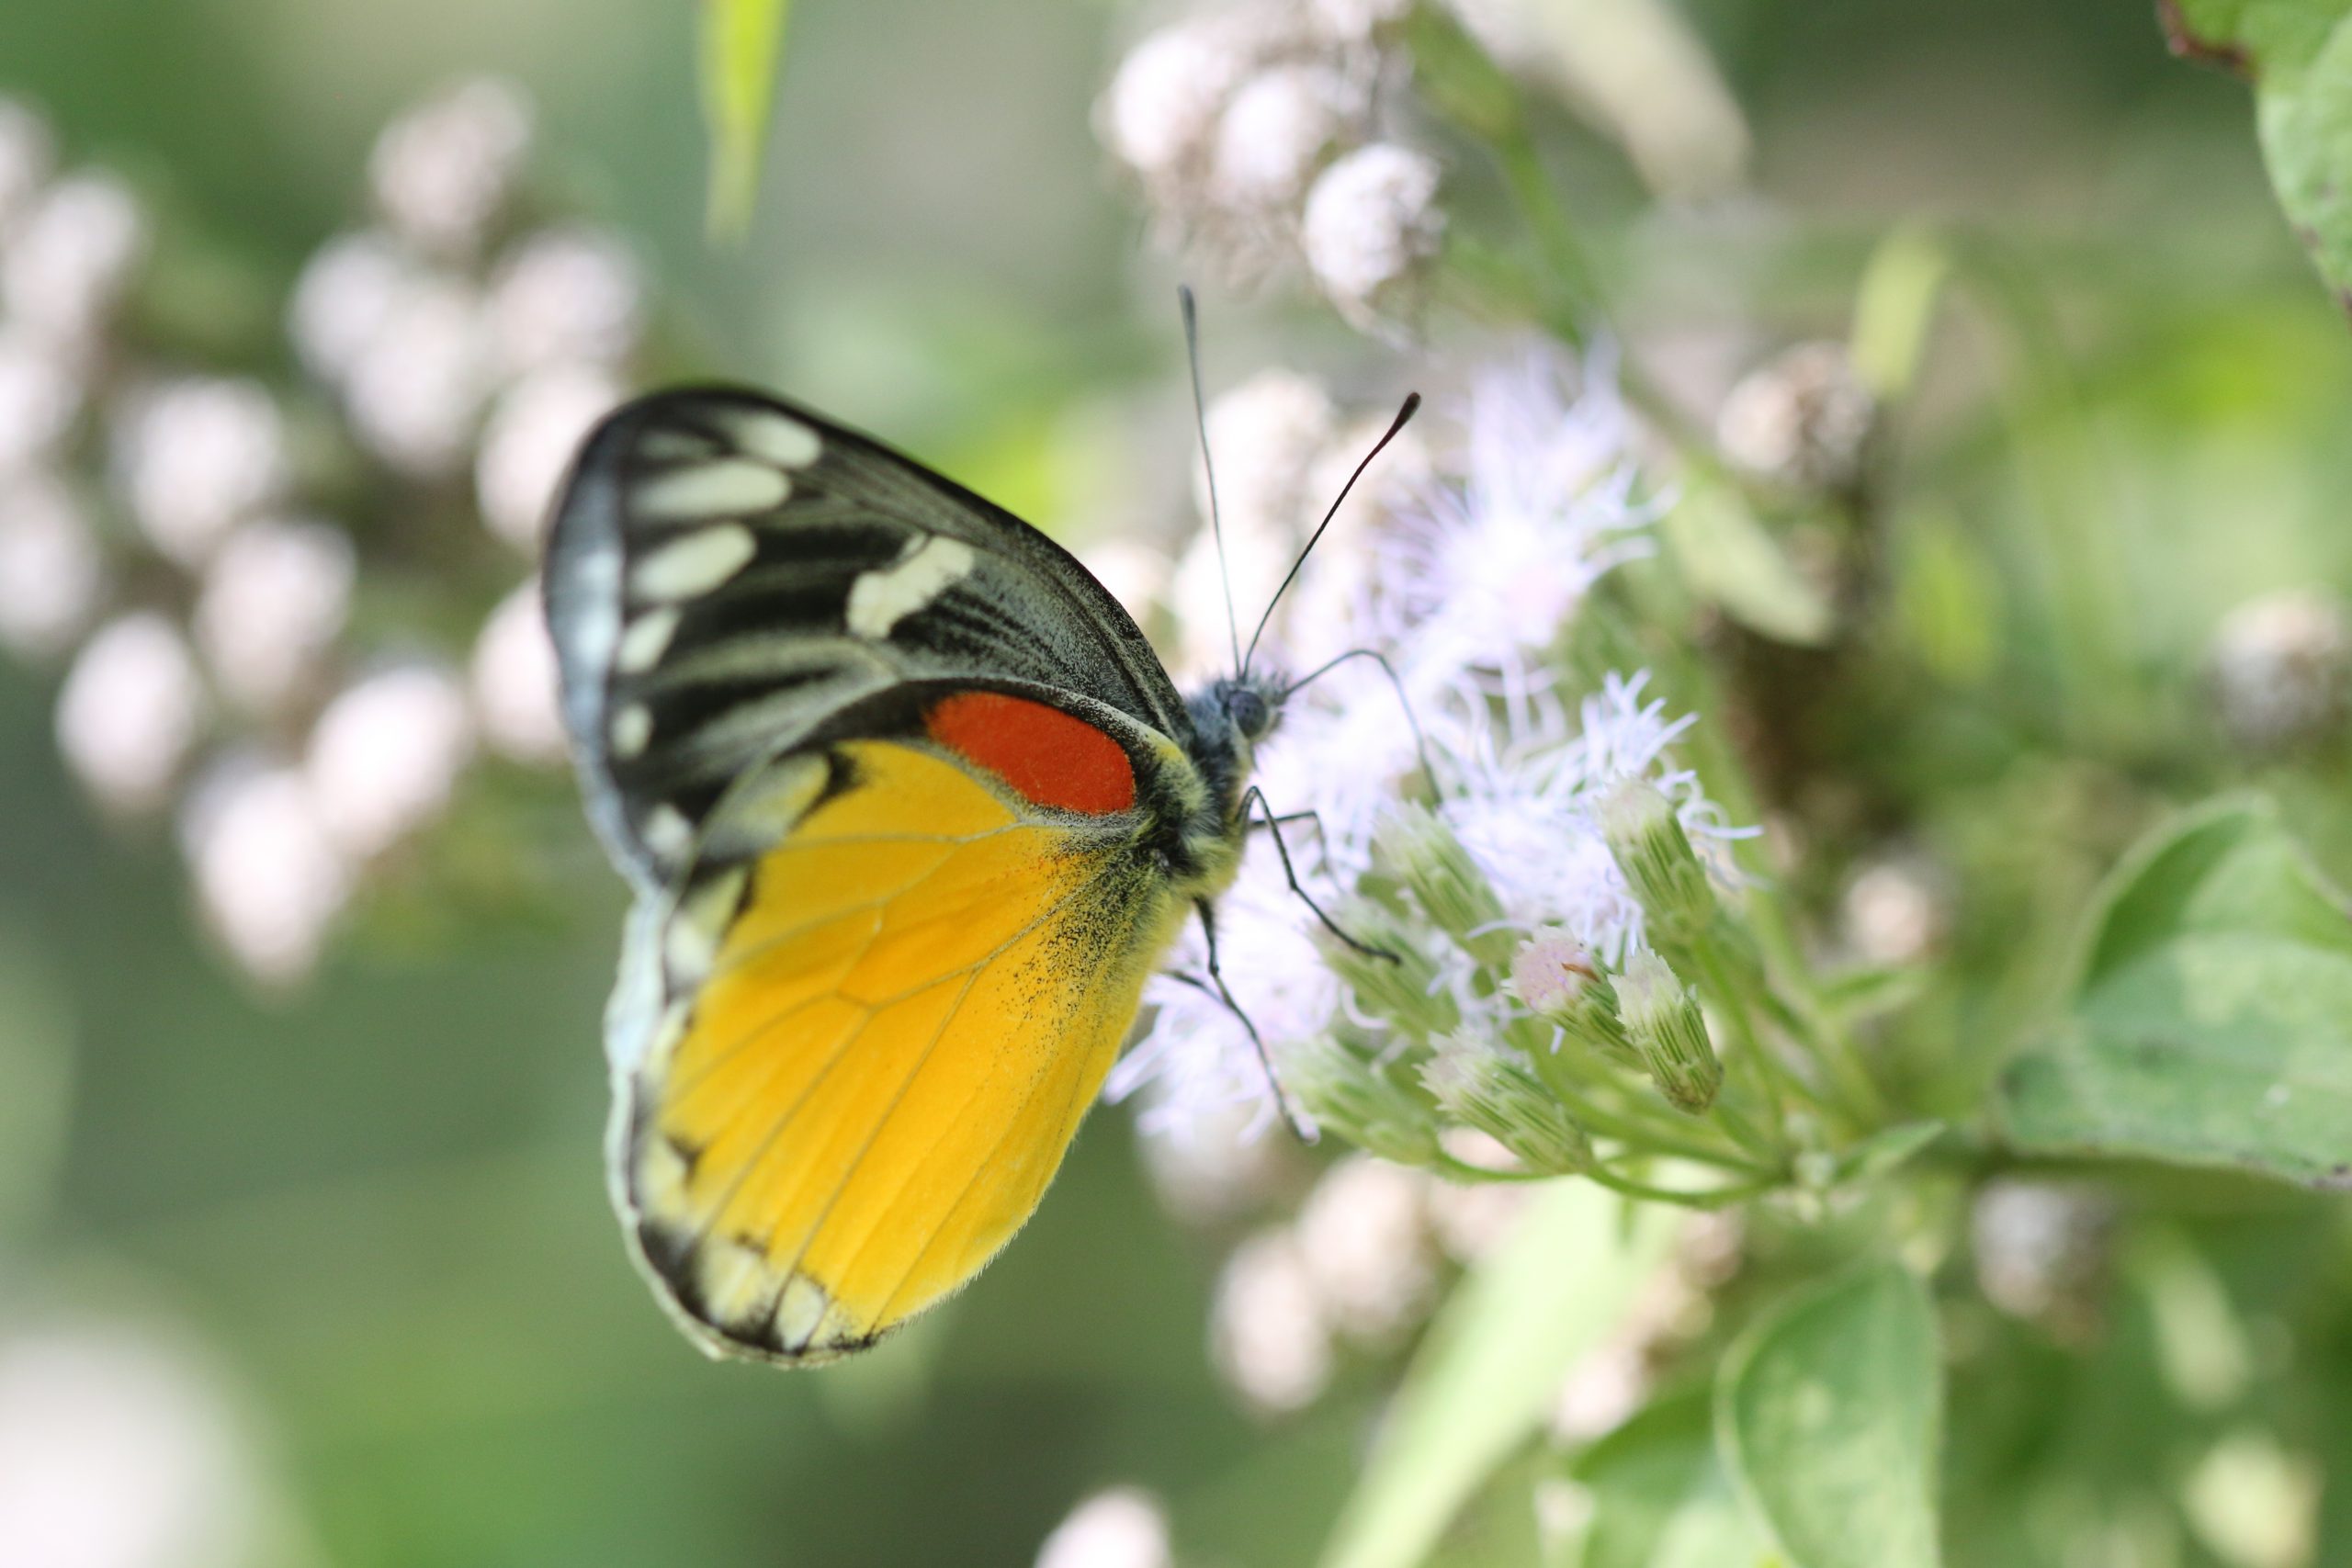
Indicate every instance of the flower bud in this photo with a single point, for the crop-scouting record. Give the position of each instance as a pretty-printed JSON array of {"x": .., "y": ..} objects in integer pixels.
[
  {"x": 1370, "y": 228},
  {"x": 1397, "y": 981},
  {"x": 1662, "y": 1016},
  {"x": 1480, "y": 1085},
  {"x": 1556, "y": 979},
  {"x": 1344, "y": 1092},
  {"x": 1414, "y": 846},
  {"x": 1647, "y": 841}
]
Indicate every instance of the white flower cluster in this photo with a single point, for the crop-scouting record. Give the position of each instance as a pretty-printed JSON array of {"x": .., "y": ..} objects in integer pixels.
[
  {"x": 1463, "y": 585},
  {"x": 449, "y": 334},
  {"x": 1254, "y": 133}
]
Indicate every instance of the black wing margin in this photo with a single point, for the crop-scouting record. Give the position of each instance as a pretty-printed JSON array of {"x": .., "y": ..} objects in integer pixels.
[{"x": 726, "y": 572}]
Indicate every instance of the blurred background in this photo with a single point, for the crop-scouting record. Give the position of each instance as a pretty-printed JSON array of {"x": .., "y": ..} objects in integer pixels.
[{"x": 305, "y": 1255}]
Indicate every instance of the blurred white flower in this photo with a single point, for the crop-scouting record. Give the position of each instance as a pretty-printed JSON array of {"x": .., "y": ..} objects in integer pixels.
[
  {"x": 1469, "y": 1218},
  {"x": 1122, "y": 1528},
  {"x": 442, "y": 171},
  {"x": 119, "y": 1450},
  {"x": 2042, "y": 1249},
  {"x": 69, "y": 258},
  {"x": 128, "y": 711},
  {"x": 51, "y": 569},
  {"x": 348, "y": 296},
  {"x": 28, "y": 153},
  {"x": 1272, "y": 136},
  {"x": 1365, "y": 1242},
  {"x": 1897, "y": 910},
  {"x": 515, "y": 680},
  {"x": 195, "y": 456},
  {"x": 269, "y": 877},
  {"x": 40, "y": 395},
  {"x": 415, "y": 392},
  {"x": 1802, "y": 420},
  {"x": 565, "y": 295},
  {"x": 387, "y": 753},
  {"x": 274, "y": 599},
  {"x": 2281, "y": 669},
  {"x": 1216, "y": 1164},
  {"x": 1372, "y": 224},
  {"x": 1357, "y": 19},
  {"x": 1267, "y": 1331},
  {"x": 534, "y": 429},
  {"x": 1161, "y": 106}
]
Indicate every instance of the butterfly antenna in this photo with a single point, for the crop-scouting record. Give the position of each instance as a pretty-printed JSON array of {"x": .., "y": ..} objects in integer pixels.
[
  {"x": 1412, "y": 405},
  {"x": 1201, "y": 420}
]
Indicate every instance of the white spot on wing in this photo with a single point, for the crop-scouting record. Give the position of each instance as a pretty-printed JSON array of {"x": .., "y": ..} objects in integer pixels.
[
  {"x": 667, "y": 832},
  {"x": 880, "y": 598},
  {"x": 632, "y": 728},
  {"x": 694, "y": 564},
  {"x": 723, "y": 487},
  {"x": 646, "y": 640},
  {"x": 799, "y": 1311},
  {"x": 778, "y": 438}
]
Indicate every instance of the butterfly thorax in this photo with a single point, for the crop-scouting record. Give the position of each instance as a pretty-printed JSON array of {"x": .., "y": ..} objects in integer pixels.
[{"x": 1230, "y": 717}]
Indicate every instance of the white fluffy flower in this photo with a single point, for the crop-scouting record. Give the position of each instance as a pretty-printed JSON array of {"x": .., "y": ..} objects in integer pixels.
[
  {"x": 416, "y": 389},
  {"x": 196, "y": 455},
  {"x": 1274, "y": 134},
  {"x": 1267, "y": 1331},
  {"x": 274, "y": 599},
  {"x": 52, "y": 570},
  {"x": 1122, "y": 1528},
  {"x": 269, "y": 876},
  {"x": 349, "y": 294},
  {"x": 566, "y": 295},
  {"x": 534, "y": 429},
  {"x": 386, "y": 755},
  {"x": 1162, "y": 103},
  {"x": 40, "y": 395},
  {"x": 130, "y": 710},
  {"x": 442, "y": 171},
  {"x": 70, "y": 256},
  {"x": 1365, "y": 1241},
  {"x": 27, "y": 152},
  {"x": 515, "y": 680},
  {"x": 1372, "y": 221}
]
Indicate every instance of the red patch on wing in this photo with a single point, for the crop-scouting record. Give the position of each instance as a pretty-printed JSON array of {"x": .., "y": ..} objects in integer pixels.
[{"x": 1051, "y": 758}]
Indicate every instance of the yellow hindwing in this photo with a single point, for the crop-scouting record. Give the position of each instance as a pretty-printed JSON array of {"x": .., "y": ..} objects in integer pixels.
[{"x": 911, "y": 1002}]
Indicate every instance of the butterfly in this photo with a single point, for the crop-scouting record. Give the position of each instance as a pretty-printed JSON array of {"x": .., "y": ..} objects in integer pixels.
[{"x": 911, "y": 810}]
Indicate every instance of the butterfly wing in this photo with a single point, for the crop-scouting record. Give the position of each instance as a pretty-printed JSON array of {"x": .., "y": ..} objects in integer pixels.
[{"x": 883, "y": 764}]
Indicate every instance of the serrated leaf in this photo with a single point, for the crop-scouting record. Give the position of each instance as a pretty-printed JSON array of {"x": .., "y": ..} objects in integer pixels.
[
  {"x": 1492, "y": 1362},
  {"x": 743, "y": 49},
  {"x": 1659, "y": 1497},
  {"x": 1828, "y": 1413},
  {"x": 2212, "y": 1021}
]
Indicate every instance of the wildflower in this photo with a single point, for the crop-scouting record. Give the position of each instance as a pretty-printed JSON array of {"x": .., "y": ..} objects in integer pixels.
[
  {"x": 565, "y": 296},
  {"x": 1274, "y": 134},
  {"x": 514, "y": 679},
  {"x": 1358, "y": 19},
  {"x": 1161, "y": 106},
  {"x": 1662, "y": 1018},
  {"x": 272, "y": 603},
  {"x": 52, "y": 573},
  {"x": 1342, "y": 1088},
  {"x": 1122, "y": 1528},
  {"x": 1555, "y": 977},
  {"x": 130, "y": 710},
  {"x": 195, "y": 456},
  {"x": 1216, "y": 1164},
  {"x": 70, "y": 256},
  {"x": 2281, "y": 669},
  {"x": 1480, "y": 1085},
  {"x": 1646, "y": 839},
  {"x": 1418, "y": 850},
  {"x": 386, "y": 754},
  {"x": 348, "y": 296},
  {"x": 1268, "y": 1335},
  {"x": 1897, "y": 910},
  {"x": 269, "y": 876},
  {"x": 1365, "y": 1243},
  {"x": 1801, "y": 420},
  {"x": 42, "y": 394},
  {"x": 443, "y": 170},
  {"x": 1470, "y": 1218},
  {"x": 27, "y": 152},
  {"x": 535, "y": 427},
  {"x": 413, "y": 394},
  {"x": 2044, "y": 1250},
  {"x": 1370, "y": 226}
]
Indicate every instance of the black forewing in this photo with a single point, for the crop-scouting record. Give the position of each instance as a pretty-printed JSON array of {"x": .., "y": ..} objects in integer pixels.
[{"x": 729, "y": 574}]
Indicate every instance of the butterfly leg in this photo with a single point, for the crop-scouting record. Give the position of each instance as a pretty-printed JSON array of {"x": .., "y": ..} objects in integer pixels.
[
  {"x": 1254, "y": 795},
  {"x": 1299, "y": 1122}
]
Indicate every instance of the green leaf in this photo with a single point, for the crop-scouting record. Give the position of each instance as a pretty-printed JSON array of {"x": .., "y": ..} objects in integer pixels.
[
  {"x": 1883, "y": 1153},
  {"x": 1659, "y": 1496},
  {"x": 1491, "y": 1364},
  {"x": 743, "y": 48},
  {"x": 1827, "y": 1414},
  {"x": 1730, "y": 557},
  {"x": 2212, "y": 1021},
  {"x": 2298, "y": 54}
]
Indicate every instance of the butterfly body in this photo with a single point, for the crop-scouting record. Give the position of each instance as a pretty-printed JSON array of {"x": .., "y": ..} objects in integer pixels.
[{"x": 911, "y": 810}]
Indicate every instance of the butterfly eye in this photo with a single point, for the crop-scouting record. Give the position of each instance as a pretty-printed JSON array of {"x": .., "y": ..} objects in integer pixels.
[{"x": 1249, "y": 712}]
